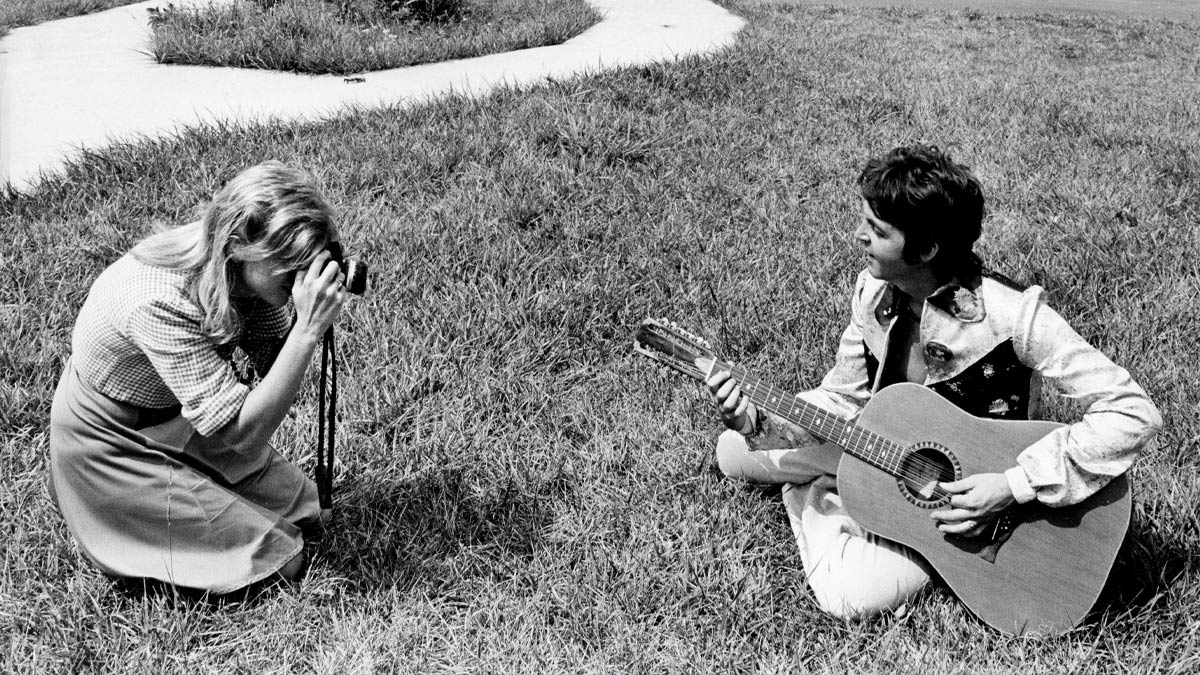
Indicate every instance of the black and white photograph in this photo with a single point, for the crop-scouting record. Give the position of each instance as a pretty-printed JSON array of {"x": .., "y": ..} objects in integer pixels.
[{"x": 600, "y": 336}]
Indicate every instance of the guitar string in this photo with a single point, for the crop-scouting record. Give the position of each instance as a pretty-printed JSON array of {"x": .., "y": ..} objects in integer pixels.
[
  {"x": 920, "y": 469},
  {"x": 885, "y": 453},
  {"x": 876, "y": 450},
  {"x": 844, "y": 430}
]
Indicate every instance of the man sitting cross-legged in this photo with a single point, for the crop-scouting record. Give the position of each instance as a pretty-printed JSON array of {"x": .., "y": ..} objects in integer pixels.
[{"x": 925, "y": 310}]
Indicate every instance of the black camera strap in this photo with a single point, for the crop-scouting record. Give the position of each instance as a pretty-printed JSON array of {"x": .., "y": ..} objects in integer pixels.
[{"x": 324, "y": 467}]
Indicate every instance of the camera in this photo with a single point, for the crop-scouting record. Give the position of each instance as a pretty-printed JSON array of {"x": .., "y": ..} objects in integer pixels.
[{"x": 355, "y": 270}]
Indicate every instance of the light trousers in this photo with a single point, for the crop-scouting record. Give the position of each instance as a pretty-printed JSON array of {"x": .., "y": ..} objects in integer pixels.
[{"x": 852, "y": 573}]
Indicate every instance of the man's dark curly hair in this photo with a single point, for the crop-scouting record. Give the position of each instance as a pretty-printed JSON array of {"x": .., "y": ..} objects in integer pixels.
[{"x": 919, "y": 190}]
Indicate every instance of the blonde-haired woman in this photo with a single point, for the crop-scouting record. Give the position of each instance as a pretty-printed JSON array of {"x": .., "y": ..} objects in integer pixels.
[{"x": 159, "y": 455}]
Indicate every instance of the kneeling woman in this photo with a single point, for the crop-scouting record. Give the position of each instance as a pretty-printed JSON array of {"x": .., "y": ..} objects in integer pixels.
[{"x": 159, "y": 453}]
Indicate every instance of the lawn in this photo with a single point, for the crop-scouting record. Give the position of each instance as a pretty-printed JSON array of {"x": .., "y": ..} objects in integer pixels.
[{"x": 518, "y": 491}]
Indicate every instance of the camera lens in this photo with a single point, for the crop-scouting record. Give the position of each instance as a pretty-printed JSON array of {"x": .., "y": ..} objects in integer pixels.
[{"x": 356, "y": 276}]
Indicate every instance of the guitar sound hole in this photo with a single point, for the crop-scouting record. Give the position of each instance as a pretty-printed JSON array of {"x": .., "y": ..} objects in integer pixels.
[{"x": 920, "y": 472}]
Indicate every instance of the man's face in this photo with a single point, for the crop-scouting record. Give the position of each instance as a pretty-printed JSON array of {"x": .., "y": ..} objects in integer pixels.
[{"x": 884, "y": 247}]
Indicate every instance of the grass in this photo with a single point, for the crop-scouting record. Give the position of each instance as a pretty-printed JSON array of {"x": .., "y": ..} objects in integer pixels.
[
  {"x": 350, "y": 36},
  {"x": 17, "y": 13},
  {"x": 520, "y": 493}
]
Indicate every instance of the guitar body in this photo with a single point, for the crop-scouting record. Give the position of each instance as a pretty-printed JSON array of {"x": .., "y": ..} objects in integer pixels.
[{"x": 1046, "y": 575}]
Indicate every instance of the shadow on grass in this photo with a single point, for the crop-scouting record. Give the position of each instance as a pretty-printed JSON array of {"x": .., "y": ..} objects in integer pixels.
[
  {"x": 153, "y": 589},
  {"x": 1148, "y": 564},
  {"x": 432, "y": 532},
  {"x": 426, "y": 534}
]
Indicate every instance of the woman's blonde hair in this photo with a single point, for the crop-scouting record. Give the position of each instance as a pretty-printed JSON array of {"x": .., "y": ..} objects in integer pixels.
[{"x": 269, "y": 211}]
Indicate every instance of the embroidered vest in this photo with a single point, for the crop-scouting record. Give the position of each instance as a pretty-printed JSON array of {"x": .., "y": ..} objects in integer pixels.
[{"x": 995, "y": 385}]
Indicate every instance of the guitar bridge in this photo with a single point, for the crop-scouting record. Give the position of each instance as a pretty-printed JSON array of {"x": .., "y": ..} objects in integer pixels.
[{"x": 1001, "y": 530}]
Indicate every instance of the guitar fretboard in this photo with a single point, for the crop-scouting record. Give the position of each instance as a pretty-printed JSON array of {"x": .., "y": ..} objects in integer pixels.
[{"x": 863, "y": 444}]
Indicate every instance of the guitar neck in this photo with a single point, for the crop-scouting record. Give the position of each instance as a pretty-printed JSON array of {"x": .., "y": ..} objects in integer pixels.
[{"x": 863, "y": 444}]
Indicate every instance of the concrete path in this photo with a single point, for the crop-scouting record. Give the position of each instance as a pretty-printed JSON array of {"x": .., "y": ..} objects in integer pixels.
[{"x": 86, "y": 82}]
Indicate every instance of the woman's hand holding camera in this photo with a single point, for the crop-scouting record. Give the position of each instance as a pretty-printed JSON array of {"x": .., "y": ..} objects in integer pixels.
[
  {"x": 731, "y": 403},
  {"x": 318, "y": 294}
]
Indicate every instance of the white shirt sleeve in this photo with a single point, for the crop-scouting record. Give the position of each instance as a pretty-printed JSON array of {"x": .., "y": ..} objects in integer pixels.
[{"x": 1119, "y": 420}]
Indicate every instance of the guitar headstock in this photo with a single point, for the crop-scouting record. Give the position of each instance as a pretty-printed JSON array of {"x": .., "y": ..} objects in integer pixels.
[{"x": 672, "y": 346}]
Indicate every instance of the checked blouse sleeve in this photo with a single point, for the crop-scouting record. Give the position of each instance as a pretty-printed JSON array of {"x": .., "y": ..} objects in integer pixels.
[{"x": 168, "y": 332}]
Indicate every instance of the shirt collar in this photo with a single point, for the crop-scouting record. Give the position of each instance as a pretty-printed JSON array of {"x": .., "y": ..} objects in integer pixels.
[{"x": 962, "y": 301}]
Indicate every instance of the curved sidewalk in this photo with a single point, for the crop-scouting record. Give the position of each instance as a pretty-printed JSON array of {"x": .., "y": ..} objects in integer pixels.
[{"x": 87, "y": 82}]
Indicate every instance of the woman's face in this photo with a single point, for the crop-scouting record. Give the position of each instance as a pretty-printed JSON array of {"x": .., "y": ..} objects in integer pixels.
[{"x": 267, "y": 280}]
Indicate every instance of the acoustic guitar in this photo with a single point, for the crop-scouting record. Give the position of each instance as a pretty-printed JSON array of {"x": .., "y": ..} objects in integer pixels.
[{"x": 1038, "y": 570}]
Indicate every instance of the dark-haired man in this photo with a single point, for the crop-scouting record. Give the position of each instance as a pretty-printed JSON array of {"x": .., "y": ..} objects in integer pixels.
[{"x": 926, "y": 311}]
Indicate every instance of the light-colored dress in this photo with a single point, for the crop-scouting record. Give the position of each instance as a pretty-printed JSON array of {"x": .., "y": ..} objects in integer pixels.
[{"x": 145, "y": 489}]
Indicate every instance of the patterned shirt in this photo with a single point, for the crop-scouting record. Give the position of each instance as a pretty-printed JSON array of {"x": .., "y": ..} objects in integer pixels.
[{"x": 138, "y": 339}]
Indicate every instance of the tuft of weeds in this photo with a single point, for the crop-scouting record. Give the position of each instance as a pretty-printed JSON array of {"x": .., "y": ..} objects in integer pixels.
[{"x": 424, "y": 10}]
